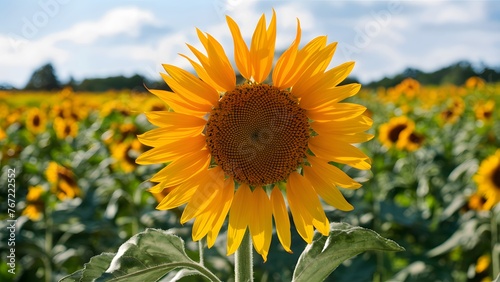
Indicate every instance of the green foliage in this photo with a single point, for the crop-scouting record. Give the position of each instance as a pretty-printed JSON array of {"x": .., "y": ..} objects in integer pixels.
[
  {"x": 43, "y": 78},
  {"x": 325, "y": 254},
  {"x": 147, "y": 256}
]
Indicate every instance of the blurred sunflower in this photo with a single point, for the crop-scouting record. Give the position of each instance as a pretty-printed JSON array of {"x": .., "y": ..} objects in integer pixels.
[
  {"x": 483, "y": 265},
  {"x": 36, "y": 121},
  {"x": 65, "y": 127},
  {"x": 237, "y": 148},
  {"x": 125, "y": 154},
  {"x": 484, "y": 110},
  {"x": 63, "y": 181},
  {"x": 409, "y": 140},
  {"x": 474, "y": 82},
  {"x": 487, "y": 179},
  {"x": 390, "y": 132},
  {"x": 476, "y": 202},
  {"x": 3, "y": 135},
  {"x": 34, "y": 203},
  {"x": 408, "y": 87}
]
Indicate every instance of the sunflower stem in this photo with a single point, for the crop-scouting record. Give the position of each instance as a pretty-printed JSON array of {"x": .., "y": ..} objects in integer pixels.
[
  {"x": 495, "y": 260},
  {"x": 200, "y": 251},
  {"x": 243, "y": 260}
]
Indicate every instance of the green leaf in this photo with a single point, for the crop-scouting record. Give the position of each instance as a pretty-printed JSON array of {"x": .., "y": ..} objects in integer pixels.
[
  {"x": 150, "y": 255},
  {"x": 91, "y": 270},
  {"x": 325, "y": 254}
]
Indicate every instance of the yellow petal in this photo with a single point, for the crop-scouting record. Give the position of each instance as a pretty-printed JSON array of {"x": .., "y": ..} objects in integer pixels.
[
  {"x": 301, "y": 189},
  {"x": 327, "y": 190},
  {"x": 239, "y": 216},
  {"x": 181, "y": 169},
  {"x": 190, "y": 87},
  {"x": 172, "y": 150},
  {"x": 176, "y": 103},
  {"x": 338, "y": 111},
  {"x": 201, "y": 72},
  {"x": 204, "y": 195},
  {"x": 182, "y": 193},
  {"x": 331, "y": 173},
  {"x": 225, "y": 203},
  {"x": 321, "y": 81},
  {"x": 262, "y": 48},
  {"x": 216, "y": 64},
  {"x": 241, "y": 52},
  {"x": 261, "y": 225},
  {"x": 306, "y": 57},
  {"x": 327, "y": 97},
  {"x": 281, "y": 219},
  {"x": 301, "y": 218},
  {"x": 284, "y": 70},
  {"x": 159, "y": 136},
  {"x": 174, "y": 120},
  {"x": 352, "y": 125},
  {"x": 202, "y": 224},
  {"x": 333, "y": 150}
]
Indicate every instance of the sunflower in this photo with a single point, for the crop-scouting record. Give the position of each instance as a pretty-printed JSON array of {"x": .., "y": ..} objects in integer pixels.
[
  {"x": 125, "y": 154},
  {"x": 409, "y": 140},
  {"x": 476, "y": 202},
  {"x": 236, "y": 148},
  {"x": 3, "y": 135},
  {"x": 36, "y": 121},
  {"x": 484, "y": 110},
  {"x": 487, "y": 179},
  {"x": 390, "y": 132},
  {"x": 34, "y": 203},
  {"x": 474, "y": 82},
  {"x": 65, "y": 127},
  {"x": 63, "y": 181}
]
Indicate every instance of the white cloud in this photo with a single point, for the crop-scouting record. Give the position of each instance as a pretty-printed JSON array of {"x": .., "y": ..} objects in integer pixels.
[
  {"x": 125, "y": 20},
  {"x": 18, "y": 52}
]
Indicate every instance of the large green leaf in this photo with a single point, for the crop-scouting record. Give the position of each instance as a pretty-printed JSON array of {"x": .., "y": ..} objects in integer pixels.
[
  {"x": 147, "y": 256},
  {"x": 91, "y": 270},
  {"x": 324, "y": 254}
]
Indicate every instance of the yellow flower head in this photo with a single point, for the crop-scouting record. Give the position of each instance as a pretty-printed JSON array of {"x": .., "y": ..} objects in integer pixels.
[
  {"x": 36, "y": 121},
  {"x": 236, "y": 148},
  {"x": 62, "y": 181},
  {"x": 484, "y": 110},
  {"x": 125, "y": 154},
  {"x": 476, "y": 202},
  {"x": 390, "y": 132},
  {"x": 408, "y": 87},
  {"x": 34, "y": 203},
  {"x": 488, "y": 180},
  {"x": 65, "y": 127},
  {"x": 410, "y": 140},
  {"x": 474, "y": 82}
]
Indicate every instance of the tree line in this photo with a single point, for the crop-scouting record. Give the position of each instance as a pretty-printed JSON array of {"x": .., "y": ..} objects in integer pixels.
[{"x": 45, "y": 79}]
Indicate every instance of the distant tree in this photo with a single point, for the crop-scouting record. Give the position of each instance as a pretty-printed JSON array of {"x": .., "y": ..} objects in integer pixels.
[
  {"x": 71, "y": 83},
  {"x": 43, "y": 78},
  {"x": 135, "y": 83}
]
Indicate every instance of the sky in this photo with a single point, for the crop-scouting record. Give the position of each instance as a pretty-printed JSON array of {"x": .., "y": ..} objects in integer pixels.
[{"x": 88, "y": 39}]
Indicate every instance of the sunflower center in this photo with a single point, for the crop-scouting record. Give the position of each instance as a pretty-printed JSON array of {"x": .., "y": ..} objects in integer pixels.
[
  {"x": 258, "y": 134},
  {"x": 394, "y": 133},
  {"x": 36, "y": 121},
  {"x": 496, "y": 177}
]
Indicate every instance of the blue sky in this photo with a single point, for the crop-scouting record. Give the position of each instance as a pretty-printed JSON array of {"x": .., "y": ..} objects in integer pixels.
[{"x": 106, "y": 38}]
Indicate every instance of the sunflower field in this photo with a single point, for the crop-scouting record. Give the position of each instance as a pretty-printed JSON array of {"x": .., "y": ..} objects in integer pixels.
[{"x": 433, "y": 186}]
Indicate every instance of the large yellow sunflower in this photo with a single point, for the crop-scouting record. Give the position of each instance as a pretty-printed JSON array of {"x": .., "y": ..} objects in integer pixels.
[
  {"x": 488, "y": 180},
  {"x": 238, "y": 148}
]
